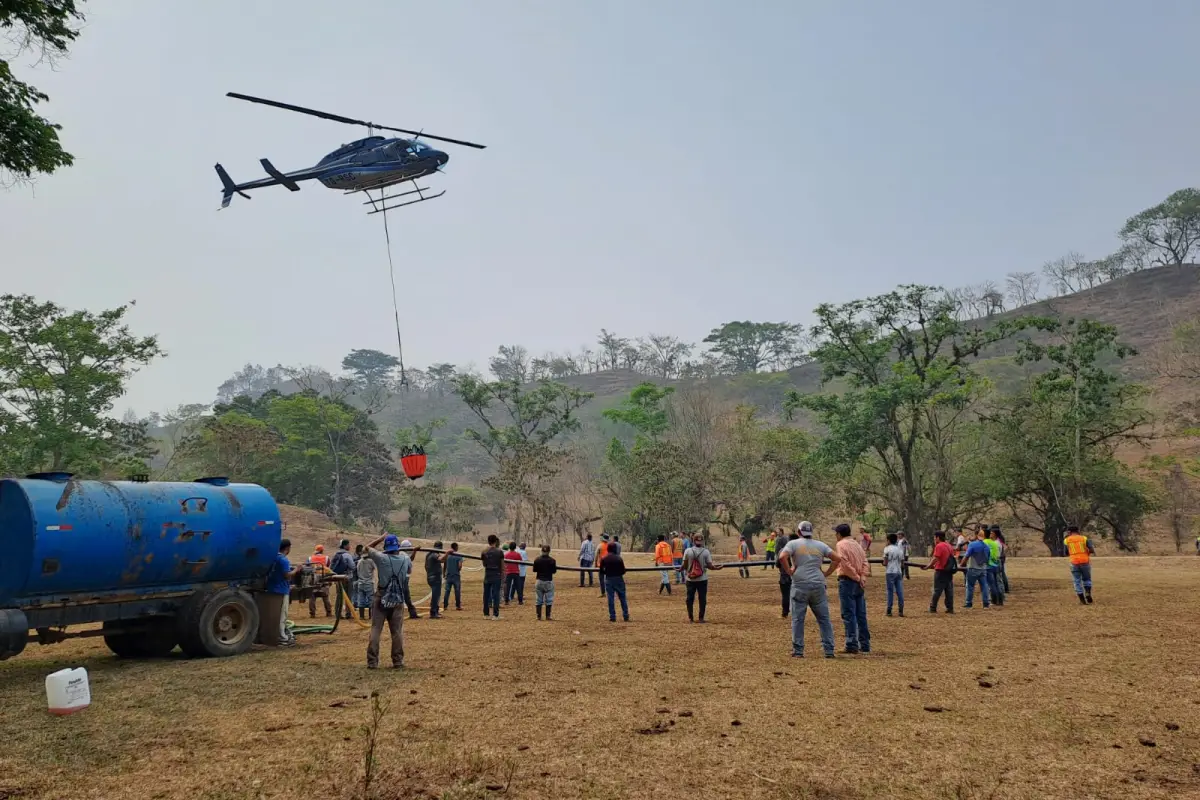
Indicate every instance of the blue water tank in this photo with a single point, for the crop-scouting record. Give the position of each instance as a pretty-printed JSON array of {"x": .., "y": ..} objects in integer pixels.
[{"x": 61, "y": 537}]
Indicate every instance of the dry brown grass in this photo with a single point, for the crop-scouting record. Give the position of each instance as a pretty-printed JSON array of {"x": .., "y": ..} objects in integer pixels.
[{"x": 557, "y": 710}]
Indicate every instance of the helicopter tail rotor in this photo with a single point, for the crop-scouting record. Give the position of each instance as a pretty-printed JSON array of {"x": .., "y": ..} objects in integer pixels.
[{"x": 229, "y": 187}]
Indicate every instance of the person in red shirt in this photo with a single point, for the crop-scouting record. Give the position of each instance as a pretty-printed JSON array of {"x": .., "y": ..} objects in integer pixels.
[
  {"x": 942, "y": 563},
  {"x": 865, "y": 540},
  {"x": 512, "y": 571}
]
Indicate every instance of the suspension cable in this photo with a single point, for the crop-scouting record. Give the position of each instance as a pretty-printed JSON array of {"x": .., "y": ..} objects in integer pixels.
[{"x": 395, "y": 304}]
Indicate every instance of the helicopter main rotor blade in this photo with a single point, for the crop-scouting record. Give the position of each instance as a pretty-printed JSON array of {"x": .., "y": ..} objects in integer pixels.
[{"x": 349, "y": 121}]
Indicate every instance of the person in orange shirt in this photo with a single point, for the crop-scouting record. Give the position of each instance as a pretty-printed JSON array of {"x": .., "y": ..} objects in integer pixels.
[
  {"x": 662, "y": 558},
  {"x": 1080, "y": 551},
  {"x": 601, "y": 552},
  {"x": 852, "y": 572},
  {"x": 320, "y": 563},
  {"x": 677, "y": 555}
]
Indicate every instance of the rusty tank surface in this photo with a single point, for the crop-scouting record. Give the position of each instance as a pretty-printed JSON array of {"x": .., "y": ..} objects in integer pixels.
[{"x": 126, "y": 552}]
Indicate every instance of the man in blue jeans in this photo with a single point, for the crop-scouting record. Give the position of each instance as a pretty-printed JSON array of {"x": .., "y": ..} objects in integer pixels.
[
  {"x": 801, "y": 559},
  {"x": 493, "y": 570},
  {"x": 612, "y": 573},
  {"x": 993, "y": 570},
  {"x": 976, "y": 559},
  {"x": 852, "y": 572}
]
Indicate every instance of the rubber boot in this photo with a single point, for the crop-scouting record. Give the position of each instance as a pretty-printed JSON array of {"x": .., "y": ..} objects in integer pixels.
[
  {"x": 1089, "y": 595},
  {"x": 668, "y": 588},
  {"x": 548, "y": 612},
  {"x": 1082, "y": 601},
  {"x": 660, "y": 588},
  {"x": 539, "y": 610}
]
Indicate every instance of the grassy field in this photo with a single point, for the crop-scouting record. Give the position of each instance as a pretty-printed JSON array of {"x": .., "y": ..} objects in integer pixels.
[{"x": 1041, "y": 699}]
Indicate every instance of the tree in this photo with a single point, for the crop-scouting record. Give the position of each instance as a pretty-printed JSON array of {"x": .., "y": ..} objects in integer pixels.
[
  {"x": 29, "y": 142},
  {"x": 643, "y": 410},
  {"x": 1171, "y": 228},
  {"x": 521, "y": 434},
  {"x": 611, "y": 347},
  {"x": 1065, "y": 273},
  {"x": 903, "y": 359},
  {"x": 1022, "y": 288},
  {"x": 663, "y": 355},
  {"x": 371, "y": 367},
  {"x": 307, "y": 449},
  {"x": 60, "y": 373},
  {"x": 253, "y": 381},
  {"x": 1052, "y": 445},
  {"x": 440, "y": 378},
  {"x": 765, "y": 471},
  {"x": 179, "y": 425},
  {"x": 511, "y": 363},
  {"x": 751, "y": 346}
]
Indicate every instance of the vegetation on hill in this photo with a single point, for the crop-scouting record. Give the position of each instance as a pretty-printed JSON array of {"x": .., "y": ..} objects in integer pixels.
[{"x": 912, "y": 409}]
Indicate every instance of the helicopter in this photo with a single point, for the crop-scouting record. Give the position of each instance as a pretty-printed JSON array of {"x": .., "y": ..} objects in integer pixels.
[{"x": 376, "y": 162}]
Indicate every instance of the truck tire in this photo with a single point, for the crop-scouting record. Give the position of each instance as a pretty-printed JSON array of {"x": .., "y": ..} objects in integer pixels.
[
  {"x": 154, "y": 638},
  {"x": 218, "y": 623}
]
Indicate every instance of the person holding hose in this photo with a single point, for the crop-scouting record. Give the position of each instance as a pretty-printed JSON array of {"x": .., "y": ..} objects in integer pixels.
[
  {"x": 392, "y": 567},
  {"x": 677, "y": 554},
  {"x": 662, "y": 558},
  {"x": 785, "y": 580},
  {"x": 587, "y": 557},
  {"x": 697, "y": 561},
  {"x": 1080, "y": 552}
]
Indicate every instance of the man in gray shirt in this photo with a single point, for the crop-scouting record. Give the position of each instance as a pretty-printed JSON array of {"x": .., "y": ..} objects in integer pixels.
[
  {"x": 391, "y": 562},
  {"x": 802, "y": 559}
]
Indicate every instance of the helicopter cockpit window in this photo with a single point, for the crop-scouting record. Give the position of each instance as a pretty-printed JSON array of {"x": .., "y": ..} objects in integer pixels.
[{"x": 416, "y": 148}]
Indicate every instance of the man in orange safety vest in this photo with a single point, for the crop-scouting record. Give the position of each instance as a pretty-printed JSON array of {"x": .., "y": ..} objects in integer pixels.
[
  {"x": 662, "y": 558},
  {"x": 1080, "y": 551}
]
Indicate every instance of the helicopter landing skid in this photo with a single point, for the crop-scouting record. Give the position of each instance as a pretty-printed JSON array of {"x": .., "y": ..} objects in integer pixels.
[{"x": 380, "y": 203}]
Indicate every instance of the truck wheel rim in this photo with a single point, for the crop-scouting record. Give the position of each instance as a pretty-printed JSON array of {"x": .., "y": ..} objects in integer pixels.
[{"x": 229, "y": 624}]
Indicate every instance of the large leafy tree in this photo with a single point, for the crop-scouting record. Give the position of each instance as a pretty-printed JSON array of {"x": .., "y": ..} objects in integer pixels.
[
  {"x": 372, "y": 367},
  {"x": 1170, "y": 229},
  {"x": 1052, "y": 445},
  {"x": 60, "y": 373},
  {"x": 751, "y": 346},
  {"x": 522, "y": 435},
  {"x": 901, "y": 363},
  {"x": 28, "y": 141},
  {"x": 307, "y": 448}
]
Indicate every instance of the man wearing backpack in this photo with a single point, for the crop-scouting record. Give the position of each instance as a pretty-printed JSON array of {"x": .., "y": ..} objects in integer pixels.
[
  {"x": 392, "y": 567},
  {"x": 697, "y": 561},
  {"x": 343, "y": 564}
]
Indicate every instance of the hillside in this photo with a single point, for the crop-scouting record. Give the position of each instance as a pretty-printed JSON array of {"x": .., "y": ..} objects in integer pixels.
[{"x": 1144, "y": 306}]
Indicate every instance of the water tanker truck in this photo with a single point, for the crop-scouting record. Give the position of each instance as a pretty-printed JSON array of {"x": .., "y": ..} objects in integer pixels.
[{"x": 156, "y": 564}]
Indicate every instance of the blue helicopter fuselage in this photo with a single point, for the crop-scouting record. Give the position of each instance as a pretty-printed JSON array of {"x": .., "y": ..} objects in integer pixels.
[{"x": 377, "y": 162}]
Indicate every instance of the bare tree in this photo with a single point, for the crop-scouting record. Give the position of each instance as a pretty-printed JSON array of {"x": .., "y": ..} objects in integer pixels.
[
  {"x": 664, "y": 355},
  {"x": 1022, "y": 288},
  {"x": 611, "y": 347},
  {"x": 1064, "y": 273},
  {"x": 991, "y": 299},
  {"x": 1181, "y": 505}
]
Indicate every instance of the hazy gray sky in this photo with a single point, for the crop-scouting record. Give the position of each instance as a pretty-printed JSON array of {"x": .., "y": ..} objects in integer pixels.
[{"x": 652, "y": 166}]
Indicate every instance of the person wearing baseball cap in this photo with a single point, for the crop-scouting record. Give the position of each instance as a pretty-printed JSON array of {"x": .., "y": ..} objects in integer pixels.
[
  {"x": 388, "y": 564},
  {"x": 801, "y": 560}
]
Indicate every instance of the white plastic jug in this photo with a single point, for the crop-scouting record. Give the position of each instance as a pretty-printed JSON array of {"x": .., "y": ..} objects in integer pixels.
[{"x": 67, "y": 691}]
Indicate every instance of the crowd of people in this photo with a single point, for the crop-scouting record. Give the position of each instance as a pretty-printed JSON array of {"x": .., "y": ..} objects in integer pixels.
[{"x": 381, "y": 578}]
